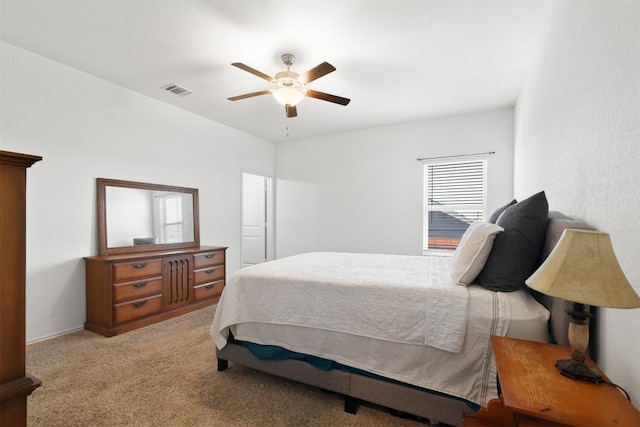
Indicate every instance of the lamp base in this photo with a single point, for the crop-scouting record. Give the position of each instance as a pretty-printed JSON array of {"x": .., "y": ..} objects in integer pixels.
[{"x": 578, "y": 371}]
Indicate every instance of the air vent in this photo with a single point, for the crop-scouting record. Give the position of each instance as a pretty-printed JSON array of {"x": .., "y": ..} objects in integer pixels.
[{"x": 176, "y": 89}]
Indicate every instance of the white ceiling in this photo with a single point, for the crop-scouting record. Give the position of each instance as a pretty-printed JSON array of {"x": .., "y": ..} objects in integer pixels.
[{"x": 398, "y": 61}]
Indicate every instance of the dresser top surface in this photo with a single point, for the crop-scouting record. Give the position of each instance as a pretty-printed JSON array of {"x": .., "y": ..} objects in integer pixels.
[{"x": 155, "y": 254}]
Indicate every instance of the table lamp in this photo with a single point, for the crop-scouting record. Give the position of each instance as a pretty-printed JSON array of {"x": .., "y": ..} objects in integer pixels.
[{"x": 583, "y": 268}]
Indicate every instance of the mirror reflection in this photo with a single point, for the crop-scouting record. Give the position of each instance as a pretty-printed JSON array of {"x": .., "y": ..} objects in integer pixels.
[{"x": 143, "y": 217}]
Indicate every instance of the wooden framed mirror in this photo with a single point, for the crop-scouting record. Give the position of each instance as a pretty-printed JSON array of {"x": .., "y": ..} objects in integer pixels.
[{"x": 142, "y": 217}]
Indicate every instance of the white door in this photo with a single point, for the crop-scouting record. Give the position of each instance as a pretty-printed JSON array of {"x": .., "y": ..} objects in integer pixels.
[{"x": 255, "y": 219}]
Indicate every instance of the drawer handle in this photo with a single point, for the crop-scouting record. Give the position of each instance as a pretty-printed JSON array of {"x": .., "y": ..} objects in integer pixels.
[
  {"x": 139, "y": 304},
  {"x": 209, "y": 271},
  {"x": 139, "y": 285},
  {"x": 210, "y": 286},
  {"x": 209, "y": 255},
  {"x": 140, "y": 265}
]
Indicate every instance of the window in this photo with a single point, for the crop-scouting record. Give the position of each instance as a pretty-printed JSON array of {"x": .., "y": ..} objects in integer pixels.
[
  {"x": 455, "y": 195},
  {"x": 171, "y": 221}
]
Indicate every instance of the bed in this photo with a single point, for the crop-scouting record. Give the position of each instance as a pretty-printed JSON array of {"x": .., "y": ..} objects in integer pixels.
[{"x": 296, "y": 318}]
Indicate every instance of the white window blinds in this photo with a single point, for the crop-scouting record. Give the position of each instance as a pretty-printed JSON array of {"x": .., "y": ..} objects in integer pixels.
[
  {"x": 455, "y": 196},
  {"x": 171, "y": 208}
]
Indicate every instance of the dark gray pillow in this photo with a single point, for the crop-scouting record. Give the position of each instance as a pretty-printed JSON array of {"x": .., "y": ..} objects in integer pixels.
[
  {"x": 496, "y": 214},
  {"x": 515, "y": 253}
]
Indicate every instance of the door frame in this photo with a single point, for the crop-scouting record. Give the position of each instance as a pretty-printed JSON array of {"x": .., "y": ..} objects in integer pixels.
[{"x": 270, "y": 234}]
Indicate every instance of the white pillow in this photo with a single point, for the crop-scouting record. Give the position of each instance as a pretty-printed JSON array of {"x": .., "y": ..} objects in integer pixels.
[{"x": 473, "y": 251}]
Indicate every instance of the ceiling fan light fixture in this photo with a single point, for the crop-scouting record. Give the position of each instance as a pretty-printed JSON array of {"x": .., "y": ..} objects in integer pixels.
[
  {"x": 289, "y": 88},
  {"x": 287, "y": 95}
]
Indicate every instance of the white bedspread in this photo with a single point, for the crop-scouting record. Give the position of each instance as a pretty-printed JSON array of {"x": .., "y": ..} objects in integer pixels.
[
  {"x": 402, "y": 299},
  {"x": 470, "y": 374},
  {"x": 393, "y": 306}
]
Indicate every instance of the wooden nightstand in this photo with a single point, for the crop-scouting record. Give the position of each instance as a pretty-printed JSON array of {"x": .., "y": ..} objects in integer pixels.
[{"x": 534, "y": 393}]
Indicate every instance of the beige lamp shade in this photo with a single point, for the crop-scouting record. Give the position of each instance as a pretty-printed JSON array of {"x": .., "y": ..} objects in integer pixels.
[{"x": 583, "y": 268}]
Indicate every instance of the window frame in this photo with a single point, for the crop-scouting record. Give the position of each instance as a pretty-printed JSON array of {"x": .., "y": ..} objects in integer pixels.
[{"x": 474, "y": 211}]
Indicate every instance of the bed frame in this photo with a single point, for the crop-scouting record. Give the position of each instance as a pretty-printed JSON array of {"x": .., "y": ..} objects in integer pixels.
[{"x": 403, "y": 398}]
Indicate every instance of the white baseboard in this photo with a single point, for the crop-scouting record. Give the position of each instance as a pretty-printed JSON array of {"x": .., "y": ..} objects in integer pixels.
[{"x": 57, "y": 334}]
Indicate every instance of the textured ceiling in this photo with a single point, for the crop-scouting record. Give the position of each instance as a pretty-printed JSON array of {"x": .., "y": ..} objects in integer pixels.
[{"x": 397, "y": 60}]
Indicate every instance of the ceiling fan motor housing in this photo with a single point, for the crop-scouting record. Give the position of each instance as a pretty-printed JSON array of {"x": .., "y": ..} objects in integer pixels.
[{"x": 289, "y": 79}]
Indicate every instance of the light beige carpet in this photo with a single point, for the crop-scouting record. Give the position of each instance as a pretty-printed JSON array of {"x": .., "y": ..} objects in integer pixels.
[{"x": 165, "y": 375}]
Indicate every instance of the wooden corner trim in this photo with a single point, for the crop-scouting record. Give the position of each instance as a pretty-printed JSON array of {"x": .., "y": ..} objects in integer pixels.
[{"x": 20, "y": 387}]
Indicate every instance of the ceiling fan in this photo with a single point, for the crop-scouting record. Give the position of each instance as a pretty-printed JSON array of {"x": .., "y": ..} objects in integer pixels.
[{"x": 290, "y": 87}]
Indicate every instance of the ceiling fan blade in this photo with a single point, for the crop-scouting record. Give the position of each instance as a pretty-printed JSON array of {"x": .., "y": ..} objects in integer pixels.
[
  {"x": 316, "y": 72},
  {"x": 327, "y": 97},
  {"x": 291, "y": 111},
  {"x": 249, "y": 95},
  {"x": 254, "y": 72}
]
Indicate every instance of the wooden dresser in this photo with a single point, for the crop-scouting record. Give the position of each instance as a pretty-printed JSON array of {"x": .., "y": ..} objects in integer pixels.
[
  {"x": 129, "y": 291},
  {"x": 15, "y": 384}
]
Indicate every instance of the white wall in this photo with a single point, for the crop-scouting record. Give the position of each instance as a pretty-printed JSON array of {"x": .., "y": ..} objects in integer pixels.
[
  {"x": 362, "y": 191},
  {"x": 85, "y": 128},
  {"x": 578, "y": 138}
]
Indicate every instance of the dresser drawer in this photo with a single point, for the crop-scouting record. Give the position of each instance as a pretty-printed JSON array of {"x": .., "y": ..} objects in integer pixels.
[
  {"x": 207, "y": 259},
  {"x": 136, "y": 269},
  {"x": 209, "y": 290},
  {"x": 137, "y": 289},
  {"x": 136, "y": 309},
  {"x": 207, "y": 275}
]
